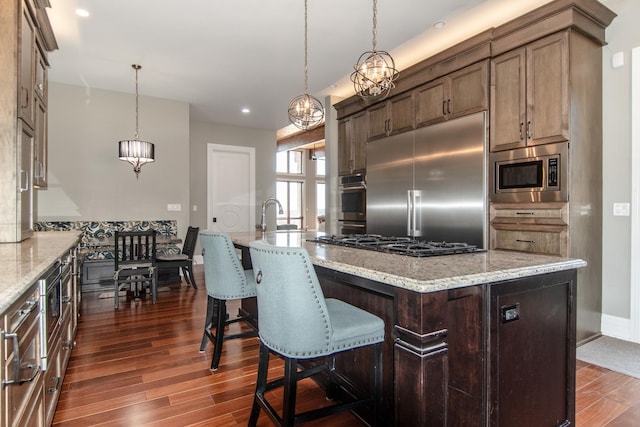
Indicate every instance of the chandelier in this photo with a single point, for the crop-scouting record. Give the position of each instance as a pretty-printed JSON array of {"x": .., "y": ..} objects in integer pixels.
[
  {"x": 134, "y": 151},
  {"x": 305, "y": 111},
  {"x": 375, "y": 71}
]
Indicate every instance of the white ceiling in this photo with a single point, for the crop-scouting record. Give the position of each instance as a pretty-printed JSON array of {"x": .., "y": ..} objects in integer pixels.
[{"x": 221, "y": 56}]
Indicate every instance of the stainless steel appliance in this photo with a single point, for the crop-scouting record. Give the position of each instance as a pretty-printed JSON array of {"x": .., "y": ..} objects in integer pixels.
[
  {"x": 353, "y": 206},
  {"x": 397, "y": 245},
  {"x": 532, "y": 174},
  {"x": 431, "y": 183},
  {"x": 52, "y": 294}
]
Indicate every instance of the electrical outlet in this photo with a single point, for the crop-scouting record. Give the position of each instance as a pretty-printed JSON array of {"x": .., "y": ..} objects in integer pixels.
[
  {"x": 195, "y": 208},
  {"x": 621, "y": 209},
  {"x": 174, "y": 207}
]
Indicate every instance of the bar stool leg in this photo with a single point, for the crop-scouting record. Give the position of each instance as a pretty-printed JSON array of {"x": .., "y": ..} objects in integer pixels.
[
  {"x": 377, "y": 373},
  {"x": 261, "y": 384},
  {"x": 208, "y": 323},
  {"x": 290, "y": 388},
  {"x": 217, "y": 351}
]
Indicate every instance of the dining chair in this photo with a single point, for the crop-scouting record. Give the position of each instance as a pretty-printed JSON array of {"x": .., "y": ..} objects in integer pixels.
[
  {"x": 183, "y": 260},
  {"x": 225, "y": 279},
  {"x": 298, "y": 324},
  {"x": 135, "y": 263}
]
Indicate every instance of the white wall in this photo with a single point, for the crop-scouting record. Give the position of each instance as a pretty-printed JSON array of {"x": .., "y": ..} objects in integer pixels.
[
  {"x": 203, "y": 133},
  {"x": 622, "y": 35},
  {"x": 87, "y": 181}
]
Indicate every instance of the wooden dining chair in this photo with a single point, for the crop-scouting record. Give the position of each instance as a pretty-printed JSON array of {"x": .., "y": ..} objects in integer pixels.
[
  {"x": 135, "y": 263},
  {"x": 183, "y": 260}
]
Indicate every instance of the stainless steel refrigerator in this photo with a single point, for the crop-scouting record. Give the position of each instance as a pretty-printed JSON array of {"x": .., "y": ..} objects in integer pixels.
[{"x": 430, "y": 183}]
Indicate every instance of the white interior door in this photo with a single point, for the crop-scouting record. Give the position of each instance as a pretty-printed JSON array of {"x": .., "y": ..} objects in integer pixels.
[
  {"x": 230, "y": 188},
  {"x": 635, "y": 195}
]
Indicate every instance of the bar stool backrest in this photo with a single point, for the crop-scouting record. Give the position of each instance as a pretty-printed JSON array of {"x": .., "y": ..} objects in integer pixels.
[
  {"x": 223, "y": 273},
  {"x": 293, "y": 317}
]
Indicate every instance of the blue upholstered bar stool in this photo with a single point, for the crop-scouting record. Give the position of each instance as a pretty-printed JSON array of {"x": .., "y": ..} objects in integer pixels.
[
  {"x": 225, "y": 279},
  {"x": 297, "y": 322}
]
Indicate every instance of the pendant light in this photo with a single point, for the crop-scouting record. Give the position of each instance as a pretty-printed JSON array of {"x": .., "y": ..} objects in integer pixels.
[
  {"x": 305, "y": 111},
  {"x": 375, "y": 71},
  {"x": 134, "y": 151}
]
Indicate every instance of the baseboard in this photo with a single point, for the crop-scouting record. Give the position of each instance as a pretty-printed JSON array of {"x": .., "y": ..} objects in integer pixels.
[{"x": 617, "y": 327}]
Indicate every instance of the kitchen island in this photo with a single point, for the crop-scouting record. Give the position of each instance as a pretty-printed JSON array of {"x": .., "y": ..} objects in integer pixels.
[{"x": 484, "y": 338}]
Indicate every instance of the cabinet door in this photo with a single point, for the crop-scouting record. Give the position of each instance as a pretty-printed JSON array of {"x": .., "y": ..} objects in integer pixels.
[
  {"x": 468, "y": 90},
  {"x": 508, "y": 101},
  {"x": 378, "y": 121},
  {"x": 548, "y": 90},
  {"x": 25, "y": 181},
  {"x": 25, "y": 97},
  {"x": 359, "y": 141},
  {"x": 40, "y": 146},
  {"x": 344, "y": 147},
  {"x": 430, "y": 103},
  {"x": 532, "y": 352},
  {"x": 401, "y": 113}
]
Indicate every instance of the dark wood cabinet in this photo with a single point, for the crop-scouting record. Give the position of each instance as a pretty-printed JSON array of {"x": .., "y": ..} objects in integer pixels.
[
  {"x": 352, "y": 139},
  {"x": 391, "y": 117},
  {"x": 532, "y": 352},
  {"x": 530, "y": 94},
  {"x": 457, "y": 94}
]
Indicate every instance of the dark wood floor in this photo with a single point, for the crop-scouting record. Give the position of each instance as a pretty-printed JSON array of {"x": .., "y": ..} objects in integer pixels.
[{"x": 140, "y": 365}]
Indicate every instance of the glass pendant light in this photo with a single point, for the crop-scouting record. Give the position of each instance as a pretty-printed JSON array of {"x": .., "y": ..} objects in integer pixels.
[
  {"x": 134, "y": 151},
  {"x": 375, "y": 71},
  {"x": 305, "y": 111}
]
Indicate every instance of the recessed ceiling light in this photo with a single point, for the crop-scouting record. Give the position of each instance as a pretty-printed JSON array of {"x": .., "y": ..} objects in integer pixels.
[
  {"x": 245, "y": 110},
  {"x": 439, "y": 25},
  {"x": 82, "y": 12}
]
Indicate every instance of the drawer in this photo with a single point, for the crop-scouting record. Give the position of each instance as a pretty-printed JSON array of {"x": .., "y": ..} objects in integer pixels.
[
  {"x": 548, "y": 213},
  {"x": 552, "y": 241}
]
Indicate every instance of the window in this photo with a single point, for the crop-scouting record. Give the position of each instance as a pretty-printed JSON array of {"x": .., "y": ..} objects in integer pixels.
[
  {"x": 290, "y": 195},
  {"x": 289, "y": 162}
]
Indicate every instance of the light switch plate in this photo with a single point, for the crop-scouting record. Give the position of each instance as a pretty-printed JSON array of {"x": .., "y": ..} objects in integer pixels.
[
  {"x": 174, "y": 207},
  {"x": 621, "y": 209}
]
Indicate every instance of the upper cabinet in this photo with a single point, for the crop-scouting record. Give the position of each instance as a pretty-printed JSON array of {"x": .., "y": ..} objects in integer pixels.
[
  {"x": 391, "y": 117},
  {"x": 23, "y": 96},
  {"x": 530, "y": 94},
  {"x": 352, "y": 140},
  {"x": 457, "y": 94}
]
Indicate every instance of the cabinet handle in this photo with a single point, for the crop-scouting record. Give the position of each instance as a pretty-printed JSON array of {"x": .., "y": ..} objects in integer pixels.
[
  {"x": 17, "y": 365},
  {"x": 25, "y": 104},
  {"x": 449, "y": 106},
  {"x": 444, "y": 112},
  {"x": 521, "y": 125},
  {"x": 24, "y": 181},
  {"x": 529, "y": 129},
  {"x": 56, "y": 381},
  {"x": 525, "y": 213},
  {"x": 525, "y": 241}
]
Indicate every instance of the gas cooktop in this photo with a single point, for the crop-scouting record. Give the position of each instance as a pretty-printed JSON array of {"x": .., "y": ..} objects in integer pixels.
[{"x": 397, "y": 245}]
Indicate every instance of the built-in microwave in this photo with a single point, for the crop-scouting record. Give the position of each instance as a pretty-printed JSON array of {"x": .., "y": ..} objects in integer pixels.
[{"x": 531, "y": 174}]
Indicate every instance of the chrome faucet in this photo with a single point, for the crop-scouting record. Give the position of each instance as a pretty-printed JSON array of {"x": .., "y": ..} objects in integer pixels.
[{"x": 263, "y": 224}]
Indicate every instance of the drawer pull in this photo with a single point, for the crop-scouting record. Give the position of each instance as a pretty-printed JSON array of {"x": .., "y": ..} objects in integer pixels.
[
  {"x": 525, "y": 213},
  {"x": 525, "y": 241}
]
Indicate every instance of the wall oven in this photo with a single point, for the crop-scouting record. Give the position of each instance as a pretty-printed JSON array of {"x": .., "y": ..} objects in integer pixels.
[
  {"x": 531, "y": 174},
  {"x": 353, "y": 204}
]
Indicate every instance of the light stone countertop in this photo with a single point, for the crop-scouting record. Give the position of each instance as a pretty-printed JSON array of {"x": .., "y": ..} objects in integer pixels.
[
  {"x": 427, "y": 274},
  {"x": 22, "y": 264}
]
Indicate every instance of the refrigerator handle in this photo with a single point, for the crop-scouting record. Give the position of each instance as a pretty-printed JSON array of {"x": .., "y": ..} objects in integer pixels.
[
  {"x": 409, "y": 212},
  {"x": 417, "y": 213}
]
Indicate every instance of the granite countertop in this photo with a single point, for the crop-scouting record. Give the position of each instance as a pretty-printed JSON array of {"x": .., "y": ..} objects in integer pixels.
[
  {"x": 428, "y": 274},
  {"x": 22, "y": 264}
]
